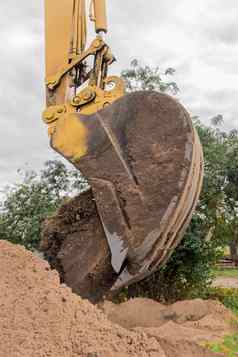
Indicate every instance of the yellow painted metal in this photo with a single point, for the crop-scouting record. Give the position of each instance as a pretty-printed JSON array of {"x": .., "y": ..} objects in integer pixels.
[
  {"x": 98, "y": 14},
  {"x": 88, "y": 101},
  {"x": 53, "y": 80},
  {"x": 66, "y": 34},
  {"x": 68, "y": 134},
  {"x": 53, "y": 113},
  {"x": 58, "y": 29},
  {"x": 79, "y": 28},
  {"x": 69, "y": 137},
  {"x": 103, "y": 98}
]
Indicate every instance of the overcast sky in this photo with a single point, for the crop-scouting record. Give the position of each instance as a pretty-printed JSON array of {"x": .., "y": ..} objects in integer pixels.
[{"x": 198, "y": 38}]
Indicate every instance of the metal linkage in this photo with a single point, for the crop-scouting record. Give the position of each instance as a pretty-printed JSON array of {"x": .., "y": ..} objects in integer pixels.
[{"x": 94, "y": 96}]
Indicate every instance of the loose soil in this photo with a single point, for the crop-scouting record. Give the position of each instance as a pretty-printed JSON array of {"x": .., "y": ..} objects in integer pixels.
[
  {"x": 225, "y": 282},
  {"x": 74, "y": 239},
  {"x": 192, "y": 320},
  {"x": 40, "y": 317}
]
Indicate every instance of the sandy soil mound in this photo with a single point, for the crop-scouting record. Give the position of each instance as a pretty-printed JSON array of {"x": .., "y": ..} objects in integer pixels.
[
  {"x": 225, "y": 282},
  {"x": 136, "y": 313},
  {"x": 192, "y": 320},
  {"x": 39, "y": 317}
]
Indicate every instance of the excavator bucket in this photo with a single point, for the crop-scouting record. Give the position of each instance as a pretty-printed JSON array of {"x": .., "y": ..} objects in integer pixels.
[
  {"x": 143, "y": 160},
  {"x": 139, "y": 152}
]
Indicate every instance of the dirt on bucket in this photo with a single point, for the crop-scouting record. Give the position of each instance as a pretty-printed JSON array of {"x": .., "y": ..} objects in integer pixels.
[{"x": 40, "y": 317}]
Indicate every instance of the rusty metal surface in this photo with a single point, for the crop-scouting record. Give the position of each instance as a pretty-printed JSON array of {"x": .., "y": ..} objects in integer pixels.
[{"x": 144, "y": 164}]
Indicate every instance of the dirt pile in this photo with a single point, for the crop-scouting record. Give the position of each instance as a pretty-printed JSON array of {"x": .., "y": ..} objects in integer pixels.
[
  {"x": 193, "y": 320},
  {"x": 39, "y": 317}
]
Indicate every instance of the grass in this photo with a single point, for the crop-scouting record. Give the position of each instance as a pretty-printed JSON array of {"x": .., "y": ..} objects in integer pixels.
[
  {"x": 226, "y": 273},
  {"x": 229, "y": 346},
  {"x": 229, "y": 297}
]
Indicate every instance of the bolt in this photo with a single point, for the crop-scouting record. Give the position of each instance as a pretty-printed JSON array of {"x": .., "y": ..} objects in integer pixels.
[
  {"x": 76, "y": 100},
  {"x": 48, "y": 115},
  {"x": 51, "y": 84},
  {"x": 87, "y": 95},
  {"x": 60, "y": 110},
  {"x": 97, "y": 43}
]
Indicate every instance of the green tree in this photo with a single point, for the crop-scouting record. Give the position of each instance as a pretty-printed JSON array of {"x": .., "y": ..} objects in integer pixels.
[
  {"x": 139, "y": 77},
  {"x": 27, "y": 204}
]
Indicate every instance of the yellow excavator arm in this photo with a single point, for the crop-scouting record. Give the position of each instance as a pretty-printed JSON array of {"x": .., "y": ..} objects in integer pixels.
[
  {"x": 71, "y": 85},
  {"x": 139, "y": 151},
  {"x": 66, "y": 30},
  {"x": 66, "y": 58}
]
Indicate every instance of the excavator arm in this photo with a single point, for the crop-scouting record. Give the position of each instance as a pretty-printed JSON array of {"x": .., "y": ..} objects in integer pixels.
[
  {"x": 139, "y": 152},
  {"x": 67, "y": 69}
]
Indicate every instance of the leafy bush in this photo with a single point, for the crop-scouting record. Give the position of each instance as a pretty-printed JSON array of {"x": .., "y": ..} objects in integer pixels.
[
  {"x": 227, "y": 296},
  {"x": 226, "y": 272},
  {"x": 188, "y": 272},
  {"x": 28, "y": 203}
]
